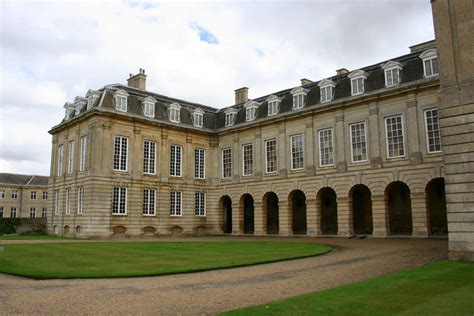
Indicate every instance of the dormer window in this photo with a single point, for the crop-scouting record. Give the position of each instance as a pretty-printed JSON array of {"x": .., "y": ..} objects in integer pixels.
[
  {"x": 175, "y": 112},
  {"x": 69, "y": 107},
  {"x": 358, "y": 78},
  {"x": 273, "y": 105},
  {"x": 121, "y": 101},
  {"x": 91, "y": 96},
  {"x": 392, "y": 73},
  {"x": 79, "y": 103},
  {"x": 251, "y": 110},
  {"x": 149, "y": 107},
  {"x": 326, "y": 88},
  {"x": 299, "y": 97},
  {"x": 430, "y": 63},
  {"x": 198, "y": 118},
  {"x": 230, "y": 116}
]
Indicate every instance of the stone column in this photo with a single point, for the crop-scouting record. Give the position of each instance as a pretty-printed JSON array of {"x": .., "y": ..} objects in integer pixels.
[
  {"x": 285, "y": 218},
  {"x": 380, "y": 216},
  {"x": 419, "y": 214},
  {"x": 344, "y": 217},
  {"x": 312, "y": 220},
  {"x": 259, "y": 219}
]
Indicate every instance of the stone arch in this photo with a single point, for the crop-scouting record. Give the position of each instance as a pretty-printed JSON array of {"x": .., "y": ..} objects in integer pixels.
[
  {"x": 149, "y": 231},
  {"x": 360, "y": 204},
  {"x": 200, "y": 230},
  {"x": 66, "y": 231},
  {"x": 225, "y": 207},
  {"x": 297, "y": 203},
  {"x": 55, "y": 230},
  {"x": 398, "y": 205},
  {"x": 176, "y": 230},
  {"x": 271, "y": 210},
  {"x": 436, "y": 207},
  {"x": 247, "y": 214},
  {"x": 78, "y": 230},
  {"x": 119, "y": 230},
  {"x": 326, "y": 200}
]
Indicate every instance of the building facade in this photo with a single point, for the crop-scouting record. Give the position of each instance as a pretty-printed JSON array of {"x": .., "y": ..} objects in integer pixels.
[
  {"x": 23, "y": 196},
  {"x": 357, "y": 153}
]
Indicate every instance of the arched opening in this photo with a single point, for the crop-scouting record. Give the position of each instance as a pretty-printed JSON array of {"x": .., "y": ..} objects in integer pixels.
[
  {"x": 436, "y": 206},
  {"x": 149, "y": 231},
  {"x": 78, "y": 231},
  {"x": 361, "y": 203},
  {"x": 246, "y": 203},
  {"x": 66, "y": 230},
  {"x": 226, "y": 207},
  {"x": 397, "y": 196},
  {"x": 270, "y": 204},
  {"x": 298, "y": 209},
  {"x": 176, "y": 230},
  {"x": 328, "y": 206}
]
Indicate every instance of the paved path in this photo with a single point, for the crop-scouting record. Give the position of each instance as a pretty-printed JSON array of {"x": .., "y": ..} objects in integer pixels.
[{"x": 214, "y": 291}]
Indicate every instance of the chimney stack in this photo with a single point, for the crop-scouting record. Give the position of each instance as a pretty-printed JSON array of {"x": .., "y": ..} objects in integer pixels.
[
  {"x": 138, "y": 81},
  {"x": 241, "y": 95},
  {"x": 305, "y": 81},
  {"x": 342, "y": 71}
]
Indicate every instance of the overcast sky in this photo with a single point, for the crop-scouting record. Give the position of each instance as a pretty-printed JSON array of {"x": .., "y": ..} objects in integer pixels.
[{"x": 53, "y": 51}]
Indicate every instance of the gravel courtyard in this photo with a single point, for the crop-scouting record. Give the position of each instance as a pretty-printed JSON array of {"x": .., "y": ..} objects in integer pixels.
[{"x": 214, "y": 291}]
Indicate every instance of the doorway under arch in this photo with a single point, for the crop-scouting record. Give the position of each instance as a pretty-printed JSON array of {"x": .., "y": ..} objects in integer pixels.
[
  {"x": 298, "y": 208},
  {"x": 226, "y": 209},
  {"x": 328, "y": 205},
  {"x": 436, "y": 207},
  {"x": 398, "y": 201},
  {"x": 361, "y": 203},
  {"x": 270, "y": 204},
  {"x": 246, "y": 202}
]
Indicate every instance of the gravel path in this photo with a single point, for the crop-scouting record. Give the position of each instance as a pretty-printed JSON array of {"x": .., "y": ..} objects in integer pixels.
[{"x": 214, "y": 291}]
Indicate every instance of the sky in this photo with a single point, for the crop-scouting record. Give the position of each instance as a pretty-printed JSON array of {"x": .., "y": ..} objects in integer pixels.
[{"x": 53, "y": 51}]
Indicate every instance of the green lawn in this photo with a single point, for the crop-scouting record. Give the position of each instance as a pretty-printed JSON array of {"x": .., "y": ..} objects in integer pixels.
[
  {"x": 31, "y": 237},
  {"x": 127, "y": 259},
  {"x": 442, "y": 288}
]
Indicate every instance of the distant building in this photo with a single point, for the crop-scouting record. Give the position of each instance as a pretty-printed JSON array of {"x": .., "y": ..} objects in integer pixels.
[{"x": 23, "y": 196}]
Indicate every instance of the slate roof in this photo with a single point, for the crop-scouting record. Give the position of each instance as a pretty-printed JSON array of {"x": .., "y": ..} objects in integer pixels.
[
  {"x": 22, "y": 179},
  {"x": 215, "y": 118}
]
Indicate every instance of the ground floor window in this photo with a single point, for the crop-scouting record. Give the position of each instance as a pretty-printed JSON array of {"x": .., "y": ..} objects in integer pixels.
[
  {"x": 1, "y": 211},
  {"x": 175, "y": 203},
  {"x": 119, "y": 201},
  {"x": 13, "y": 212},
  {"x": 32, "y": 212},
  {"x": 44, "y": 212},
  {"x": 149, "y": 201},
  {"x": 200, "y": 204}
]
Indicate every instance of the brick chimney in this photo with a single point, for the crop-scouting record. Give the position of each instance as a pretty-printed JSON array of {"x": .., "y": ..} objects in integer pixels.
[
  {"x": 138, "y": 81},
  {"x": 305, "y": 81},
  {"x": 342, "y": 71},
  {"x": 241, "y": 95}
]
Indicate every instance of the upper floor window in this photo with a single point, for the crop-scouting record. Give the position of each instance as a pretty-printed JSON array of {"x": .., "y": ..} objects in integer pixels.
[
  {"x": 271, "y": 155},
  {"x": 121, "y": 101},
  {"x": 14, "y": 194},
  {"x": 251, "y": 110},
  {"x": 119, "y": 201},
  {"x": 60, "y": 159},
  {"x": 326, "y": 87},
  {"x": 120, "y": 153},
  {"x": 149, "y": 157},
  {"x": 226, "y": 163},
  {"x": 91, "y": 96},
  {"x": 149, "y": 107},
  {"x": 358, "y": 142},
  {"x": 199, "y": 163},
  {"x": 175, "y": 160},
  {"x": 198, "y": 118},
  {"x": 297, "y": 152},
  {"x": 273, "y": 105},
  {"x": 247, "y": 159},
  {"x": 79, "y": 104},
  {"x": 358, "y": 78},
  {"x": 70, "y": 109},
  {"x": 430, "y": 63},
  {"x": 299, "y": 97},
  {"x": 82, "y": 158},
  {"x": 2, "y": 194},
  {"x": 230, "y": 116},
  {"x": 433, "y": 135},
  {"x": 326, "y": 148},
  {"x": 45, "y": 195},
  {"x": 70, "y": 162},
  {"x": 33, "y": 195},
  {"x": 394, "y": 136},
  {"x": 392, "y": 71},
  {"x": 174, "y": 112}
]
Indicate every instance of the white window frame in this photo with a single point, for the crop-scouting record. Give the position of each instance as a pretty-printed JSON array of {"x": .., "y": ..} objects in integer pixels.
[
  {"x": 119, "y": 164},
  {"x": 198, "y": 118},
  {"x": 331, "y": 151},
  {"x": 60, "y": 159},
  {"x": 200, "y": 204},
  {"x": 352, "y": 144},
  {"x": 223, "y": 153},
  {"x": 266, "y": 143},
  {"x": 230, "y": 118},
  {"x": 119, "y": 201},
  {"x": 32, "y": 212},
  {"x": 149, "y": 107},
  {"x": 56, "y": 202},
  {"x": 2, "y": 212},
  {"x": 292, "y": 153},
  {"x": 247, "y": 160},
  {"x": 14, "y": 194},
  {"x": 326, "y": 85},
  {"x": 80, "y": 200},
  {"x": 299, "y": 97},
  {"x": 121, "y": 100},
  {"x": 44, "y": 212},
  {"x": 68, "y": 201},
  {"x": 149, "y": 157},
  {"x": 45, "y": 195},
  {"x": 386, "y": 119},
  {"x": 199, "y": 163},
  {"x": 70, "y": 161},
  {"x": 176, "y": 163},
  {"x": 13, "y": 212},
  {"x": 358, "y": 76},
  {"x": 176, "y": 203},
  {"x": 390, "y": 68},
  {"x": 2, "y": 194},
  {"x": 78, "y": 230},
  {"x": 428, "y": 56},
  {"x": 33, "y": 195},
  {"x": 149, "y": 202},
  {"x": 273, "y": 105},
  {"x": 83, "y": 156},
  {"x": 425, "y": 112},
  {"x": 91, "y": 96},
  {"x": 174, "y": 112}
]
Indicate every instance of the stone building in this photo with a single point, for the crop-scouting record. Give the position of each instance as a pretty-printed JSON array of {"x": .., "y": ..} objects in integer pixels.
[
  {"x": 355, "y": 153},
  {"x": 23, "y": 196}
]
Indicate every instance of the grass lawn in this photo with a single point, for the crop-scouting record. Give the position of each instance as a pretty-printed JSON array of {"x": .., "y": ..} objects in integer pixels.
[
  {"x": 104, "y": 259},
  {"x": 32, "y": 237},
  {"x": 442, "y": 288}
]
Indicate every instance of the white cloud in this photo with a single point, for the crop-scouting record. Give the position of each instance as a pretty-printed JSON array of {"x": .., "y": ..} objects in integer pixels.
[{"x": 53, "y": 51}]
